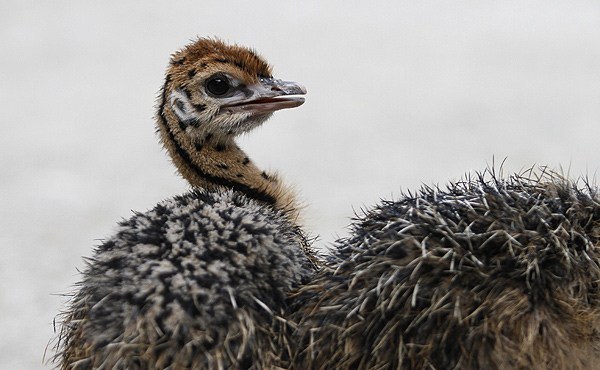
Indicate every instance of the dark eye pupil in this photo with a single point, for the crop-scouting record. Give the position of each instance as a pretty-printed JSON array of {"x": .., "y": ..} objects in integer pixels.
[{"x": 217, "y": 85}]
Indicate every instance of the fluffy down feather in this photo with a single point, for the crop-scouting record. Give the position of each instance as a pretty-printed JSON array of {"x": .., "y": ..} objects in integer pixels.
[{"x": 198, "y": 282}]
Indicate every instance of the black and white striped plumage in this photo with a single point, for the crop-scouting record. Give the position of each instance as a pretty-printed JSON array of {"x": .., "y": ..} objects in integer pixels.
[{"x": 198, "y": 282}]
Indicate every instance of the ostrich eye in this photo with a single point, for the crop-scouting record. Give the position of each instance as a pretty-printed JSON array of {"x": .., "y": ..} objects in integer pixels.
[{"x": 218, "y": 85}]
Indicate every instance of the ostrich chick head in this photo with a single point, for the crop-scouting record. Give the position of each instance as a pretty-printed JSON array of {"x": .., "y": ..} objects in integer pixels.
[{"x": 213, "y": 92}]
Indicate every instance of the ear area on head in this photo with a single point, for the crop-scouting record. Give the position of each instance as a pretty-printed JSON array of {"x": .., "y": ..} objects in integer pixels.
[{"x": 184, "y": 109}]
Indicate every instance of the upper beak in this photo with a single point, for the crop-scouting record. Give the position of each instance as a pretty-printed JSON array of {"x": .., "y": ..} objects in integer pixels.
[{"x": 268, "y": 95}]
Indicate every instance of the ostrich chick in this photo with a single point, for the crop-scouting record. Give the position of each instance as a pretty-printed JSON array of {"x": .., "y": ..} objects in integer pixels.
[
  {"x": 487, "y": 275},
  {"x": 199, "y": 281}
]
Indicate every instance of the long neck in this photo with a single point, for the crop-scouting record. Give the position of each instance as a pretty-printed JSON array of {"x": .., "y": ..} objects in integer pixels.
[{"x": 207, "y": 163}]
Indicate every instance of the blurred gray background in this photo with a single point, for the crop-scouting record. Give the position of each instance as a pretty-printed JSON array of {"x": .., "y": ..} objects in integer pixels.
[{"x": 400, "y": 94}]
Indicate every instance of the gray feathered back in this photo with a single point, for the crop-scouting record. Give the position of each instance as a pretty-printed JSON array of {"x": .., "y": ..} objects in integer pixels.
[
  {"x": 197, "y": 282},
  {"x": 488, "y": 274}
]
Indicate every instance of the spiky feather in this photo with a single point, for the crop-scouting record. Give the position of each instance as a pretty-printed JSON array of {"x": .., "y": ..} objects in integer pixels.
[{"x": 486, "y": 274}]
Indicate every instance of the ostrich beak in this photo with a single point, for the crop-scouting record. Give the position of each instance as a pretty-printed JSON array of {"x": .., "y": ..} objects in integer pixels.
[{"x": 267, "y": 96}]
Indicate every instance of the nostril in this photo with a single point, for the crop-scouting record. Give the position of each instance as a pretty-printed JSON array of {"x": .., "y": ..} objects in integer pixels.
[{"x": 275, "y": 88}]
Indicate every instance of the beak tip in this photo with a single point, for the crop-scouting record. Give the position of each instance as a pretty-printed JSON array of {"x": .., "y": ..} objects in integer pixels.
[{"x": 280, "y": 87}]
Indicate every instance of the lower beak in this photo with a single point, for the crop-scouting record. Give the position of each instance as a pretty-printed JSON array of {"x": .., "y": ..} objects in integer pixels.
[{"x": 269, "y": 95}]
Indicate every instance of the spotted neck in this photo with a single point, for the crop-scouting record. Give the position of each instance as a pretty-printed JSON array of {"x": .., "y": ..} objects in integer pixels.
[{"x": 206, "y": 162}]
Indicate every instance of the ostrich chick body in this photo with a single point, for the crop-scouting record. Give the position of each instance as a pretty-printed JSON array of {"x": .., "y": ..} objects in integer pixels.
[
  {"x": 199, "y": 281},
  {"x": 488, "y": 275}
]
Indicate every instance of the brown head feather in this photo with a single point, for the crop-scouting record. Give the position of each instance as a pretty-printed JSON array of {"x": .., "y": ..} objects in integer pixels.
[{"x": 210, "y": 52}]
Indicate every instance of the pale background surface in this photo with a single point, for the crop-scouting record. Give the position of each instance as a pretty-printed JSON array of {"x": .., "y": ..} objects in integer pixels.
[{"x": 400, "y": 93}]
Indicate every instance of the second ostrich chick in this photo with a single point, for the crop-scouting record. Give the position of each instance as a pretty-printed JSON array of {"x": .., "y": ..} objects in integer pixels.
[{"x": 489, "y": 274}]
